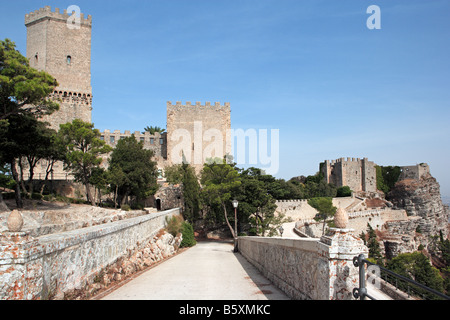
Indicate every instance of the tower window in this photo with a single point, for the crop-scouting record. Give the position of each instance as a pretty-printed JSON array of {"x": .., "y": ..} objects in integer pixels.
[
  {"x": 69, "y": 60},
  {"x": 36, "y": 58}
]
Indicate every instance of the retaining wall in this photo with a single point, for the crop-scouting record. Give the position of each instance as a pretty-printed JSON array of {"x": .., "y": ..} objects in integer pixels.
[
  {"x": 36, "y": 268},
  {"x": 308, "y": 269}
]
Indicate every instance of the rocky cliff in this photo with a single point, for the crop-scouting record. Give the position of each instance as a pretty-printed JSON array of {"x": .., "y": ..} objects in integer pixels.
[{"x": 422, "y": 198}]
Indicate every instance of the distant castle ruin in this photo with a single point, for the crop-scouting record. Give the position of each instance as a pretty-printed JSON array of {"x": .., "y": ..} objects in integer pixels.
[
  {"x": 358, "y": 174},
  {"x": 361, "y": 175}
]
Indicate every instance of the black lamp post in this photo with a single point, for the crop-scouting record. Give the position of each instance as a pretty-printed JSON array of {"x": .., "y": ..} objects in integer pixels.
[{"x": 235, "y": 205}]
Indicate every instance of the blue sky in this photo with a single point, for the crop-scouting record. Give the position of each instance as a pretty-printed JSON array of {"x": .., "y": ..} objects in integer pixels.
[{"x": 310, "y": 68}]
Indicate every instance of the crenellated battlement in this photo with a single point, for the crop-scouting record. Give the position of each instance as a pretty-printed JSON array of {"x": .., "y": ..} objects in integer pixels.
[
  {"x": 197, "y": 104},
  {"x": 342, "y": 160},
  {"x": 137, "y": 134},
  {"x": 358, "y": 174},
  {"x": 156, "y": 142},
  {"x": 46, "y": 13}
]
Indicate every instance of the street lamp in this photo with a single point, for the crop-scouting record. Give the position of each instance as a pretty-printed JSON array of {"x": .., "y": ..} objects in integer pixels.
[
  {"x": 235, "y": 205},
  {"x": 281, "y": 231}
]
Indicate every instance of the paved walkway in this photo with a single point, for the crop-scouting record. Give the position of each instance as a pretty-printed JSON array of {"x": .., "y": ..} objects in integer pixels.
[
  {"x": 288, "y": 231},
  {"x": 207, "y": 271}
]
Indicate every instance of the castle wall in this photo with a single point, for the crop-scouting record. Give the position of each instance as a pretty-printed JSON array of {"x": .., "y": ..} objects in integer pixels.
[
  {"x": 358, "y": 174},
  {"x": 197, "y": 132},
  {"x": 414, "y": 172},
  {"x": 156, "y": 142}
]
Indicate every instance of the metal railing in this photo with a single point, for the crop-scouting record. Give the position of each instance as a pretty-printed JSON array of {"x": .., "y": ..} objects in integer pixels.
[{"x": 411, "y": 286}]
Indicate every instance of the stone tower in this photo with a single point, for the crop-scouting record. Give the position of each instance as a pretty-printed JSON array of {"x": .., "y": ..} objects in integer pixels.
[
  {"x": 197, "y": 132},
  {"x": 61, "y": 45},
  {"x": 358, "y": 174}
]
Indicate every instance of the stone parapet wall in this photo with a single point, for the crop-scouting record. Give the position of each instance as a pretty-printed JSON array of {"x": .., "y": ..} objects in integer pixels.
[
  {"x": 296, "y": 209},
  {"x": 378, "y": 218},
  {"x": 38, "y": 268},
  {"x": 308, "y": 269}
]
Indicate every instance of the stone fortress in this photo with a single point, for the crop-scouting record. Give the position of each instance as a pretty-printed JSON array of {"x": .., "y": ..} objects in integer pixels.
[
  {"x": 61, "y": 46},
  {"x": 64, "y": 50},
  {"x": 409, "y": 215},
  {"x": 360, "y": 174}
]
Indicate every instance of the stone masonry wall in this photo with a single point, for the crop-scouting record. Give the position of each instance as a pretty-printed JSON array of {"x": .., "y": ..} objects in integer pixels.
[
  {"x": 358, "y": 174},
  {"x": 56, "y": 264},
  {"x": 308, "y": 269},
  {"x": 196, "y": 132},
  {"x": 64, "y": 51}
]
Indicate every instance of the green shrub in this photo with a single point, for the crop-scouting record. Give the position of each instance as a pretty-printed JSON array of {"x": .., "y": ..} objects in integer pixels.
[
  {"x": 36, "y": 196},
  {"x": 125, "y": 207},
  {"x": 188, "y": 235},
  {"x": 344, "y": 191},
  {"x": 174, "y": 225}
]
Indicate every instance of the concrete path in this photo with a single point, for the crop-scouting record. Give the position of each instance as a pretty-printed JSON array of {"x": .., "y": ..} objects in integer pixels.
[
  {"x": 288, "y": 230},
  {"x": 207, "y": 271}
]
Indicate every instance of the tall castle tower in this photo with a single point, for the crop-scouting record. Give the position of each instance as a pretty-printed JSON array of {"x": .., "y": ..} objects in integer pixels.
[
  {"x": 197, "y": 132},
  {"x": 61, "y": 45}
]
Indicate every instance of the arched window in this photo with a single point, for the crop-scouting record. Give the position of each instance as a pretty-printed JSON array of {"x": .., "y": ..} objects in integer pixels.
[{"x": 69, "y": 60}]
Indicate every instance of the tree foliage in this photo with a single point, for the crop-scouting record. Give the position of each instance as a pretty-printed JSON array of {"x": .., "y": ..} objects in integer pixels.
[
  {"x": 83, "y": 151},
  {"x": 23, "y": 90},
  {"x": 188, "y": 237},
  {"x": 256, "y": 205},
  {"x": 185, "y": 174},
  {"x": 373, "y": 245},
  {"x": 219, "y": 181},
  {"x": 387, "y": 177},
  {"x": 24, "y": 93},
  {"x": 137, "y": 171},
  {"x": 325, "y": 207},
  {"x": 416, "y": 266},
  {"x": 152, "y": 130},
  {"x": 344, "y": 191}
]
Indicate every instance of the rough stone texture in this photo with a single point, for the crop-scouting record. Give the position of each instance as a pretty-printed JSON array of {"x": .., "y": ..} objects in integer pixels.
[
  {"x": 197, "y": 132},
  {"x": 160, "y": 247},
  {"x": 167, "y": 197},
  {"x": 358, "y": 174},
  {"x": 422, "y": 198},
  {"x": 53, "y": 218},
  {"x": 308, "y": 269},
  {"x": 380, "y": 219},
  {"x": 21, "y": 267},
  {"x": 49, "y": 44},
  {"x": 53, "y": 265},
  {"x": 341, "y": 218},
  {"x": 15, "y": 221},
  {"x": 295, "y": 209}
]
